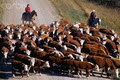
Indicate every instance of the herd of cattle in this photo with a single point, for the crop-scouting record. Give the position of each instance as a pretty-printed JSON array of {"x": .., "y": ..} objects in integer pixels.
[{"x": 60, "y": 46}]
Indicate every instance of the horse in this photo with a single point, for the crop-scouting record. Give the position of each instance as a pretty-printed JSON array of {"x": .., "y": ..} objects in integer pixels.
[
  {"x": 29, "y": 16},
  {"x": 94, "y": 22}
]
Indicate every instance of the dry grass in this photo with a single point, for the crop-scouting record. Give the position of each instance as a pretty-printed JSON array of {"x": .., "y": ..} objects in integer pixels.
[{"x": 78, "y": 10}]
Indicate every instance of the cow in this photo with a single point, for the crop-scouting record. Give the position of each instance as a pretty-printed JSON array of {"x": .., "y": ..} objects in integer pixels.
[
  {"x": 77, "y": 66},
  {"x": 111, "y": 47},
  {"x": 116, "y": 62},
  {"x": 40, "y": 64},
  {"x": 25, "y": 59},
  {"x": 106, "y": 31},
  {"x": 83, "y": 65},
  {"x": 38, "y": 52},
  {"x": 105, "y": 63},
  {"x": 20, "y": 66},
  {"x": 55, "y": 44},
  {"x": 4, "y": 54},
  {"x": 94, "y": 48},
  {"x": 55, "y": 63}
]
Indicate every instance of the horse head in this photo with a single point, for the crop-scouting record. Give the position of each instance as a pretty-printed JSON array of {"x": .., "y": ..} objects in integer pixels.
[
  {"x": 99, "y": 21},
  {"x": 34, "y": 12}
]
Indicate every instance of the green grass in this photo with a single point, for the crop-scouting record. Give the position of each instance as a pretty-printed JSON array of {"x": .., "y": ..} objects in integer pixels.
[
  {"x": 67, "y": 9},
  {"x": 79, "y": 10}
]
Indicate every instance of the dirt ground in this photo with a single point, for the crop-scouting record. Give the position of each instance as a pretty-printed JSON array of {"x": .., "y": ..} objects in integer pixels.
[{"x": 13, "y": 10}]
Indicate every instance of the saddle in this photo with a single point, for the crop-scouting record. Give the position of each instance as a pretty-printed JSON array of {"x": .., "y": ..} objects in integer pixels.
[{"x": 26, "y": 14}]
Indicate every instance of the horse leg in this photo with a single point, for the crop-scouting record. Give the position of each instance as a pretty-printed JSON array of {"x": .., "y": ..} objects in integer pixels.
[
  {"x": 21, "y": 72},
  {"x": 29, "y": 22},
  {"x": 23, "y": 21}
]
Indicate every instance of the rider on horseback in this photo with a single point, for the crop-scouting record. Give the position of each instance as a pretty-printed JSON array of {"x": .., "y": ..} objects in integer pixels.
[
  {"x": 92, "y": 18},
  {"x": 27, "y": 10},
  {"x": 29, "y": 15}
]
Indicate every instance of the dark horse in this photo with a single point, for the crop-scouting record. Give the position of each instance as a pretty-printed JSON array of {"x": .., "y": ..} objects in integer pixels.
[
  {"x": 29, "y": 16},
  {"x": 94, "y": 22}
]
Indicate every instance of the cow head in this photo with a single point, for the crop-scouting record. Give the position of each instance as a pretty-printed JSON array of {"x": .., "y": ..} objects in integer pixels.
[
  {"x": 71, "y": 56},
  {"x": 34, "y": 27},
  {"x": 5, "y": 52},
  {"x": 25, "y": 67},
  {"x": 32, "y": 61},
  {"x": 96, "y": 68},
  {"x": 34, "y": 38},
  {"x": 25, "y": 31},
  {"x": 30, "y": 32},
  {"x": 39, "y": 41},
  {"x": 19, "y": 35},
  {"x": 28, "y": 52},
  {"x": 82, "y": 42},
  {"x": 87, "y": 30},
  {"x": 56, "y": 53},
  {"x": 116, "y": 73},
  {"x": 8, "y": 27},
  {"x": 46, "y": 64},
  {"x": 112, "y": 38},
  {"x": 81, "y": 30},
  {"x": 6, "y": 30},
  {"x": 80, "y": 57},
  {"x": 79, "y": 50},
  {"x": 65, "y": 47},
  {"x": 20, "y": 29},
  {"x": 10, "y": 35}
]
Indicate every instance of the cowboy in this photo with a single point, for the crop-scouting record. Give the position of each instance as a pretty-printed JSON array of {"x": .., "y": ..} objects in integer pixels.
[
  {"x": 92, "y": 18},
  {"x": 93, "y": 14},
  {"x": 27, "y": 9}
]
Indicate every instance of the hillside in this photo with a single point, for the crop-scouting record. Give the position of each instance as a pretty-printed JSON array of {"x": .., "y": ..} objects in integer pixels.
[{"x": 78, "y": 10}]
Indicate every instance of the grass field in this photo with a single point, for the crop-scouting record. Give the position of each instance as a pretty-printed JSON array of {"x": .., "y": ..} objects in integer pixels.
[{"x": 78, "y": 10}]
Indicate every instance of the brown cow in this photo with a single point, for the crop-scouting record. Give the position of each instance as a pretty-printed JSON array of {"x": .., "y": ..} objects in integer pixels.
[
  {"x": 54, "y": 60},
  {"x": 94, "y": 48},
  {"x": 111, "y": 47},
  {"x": 39, "y": 64},
  {"x": 102, "y": 62},
  {"x": 78, "y": 66},
  {"x": 25, "y": 59},
  {"x": 4, "y": 53},
  {"x": 21, "y": 67},
  {"x": 106, "y": 31},
  {"x": 83, "y": 65},
  {"x": 117, "y": 65}
]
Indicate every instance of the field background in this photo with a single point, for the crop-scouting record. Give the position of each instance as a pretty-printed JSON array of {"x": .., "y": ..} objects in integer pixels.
[{"x": 79, "y": 10}]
